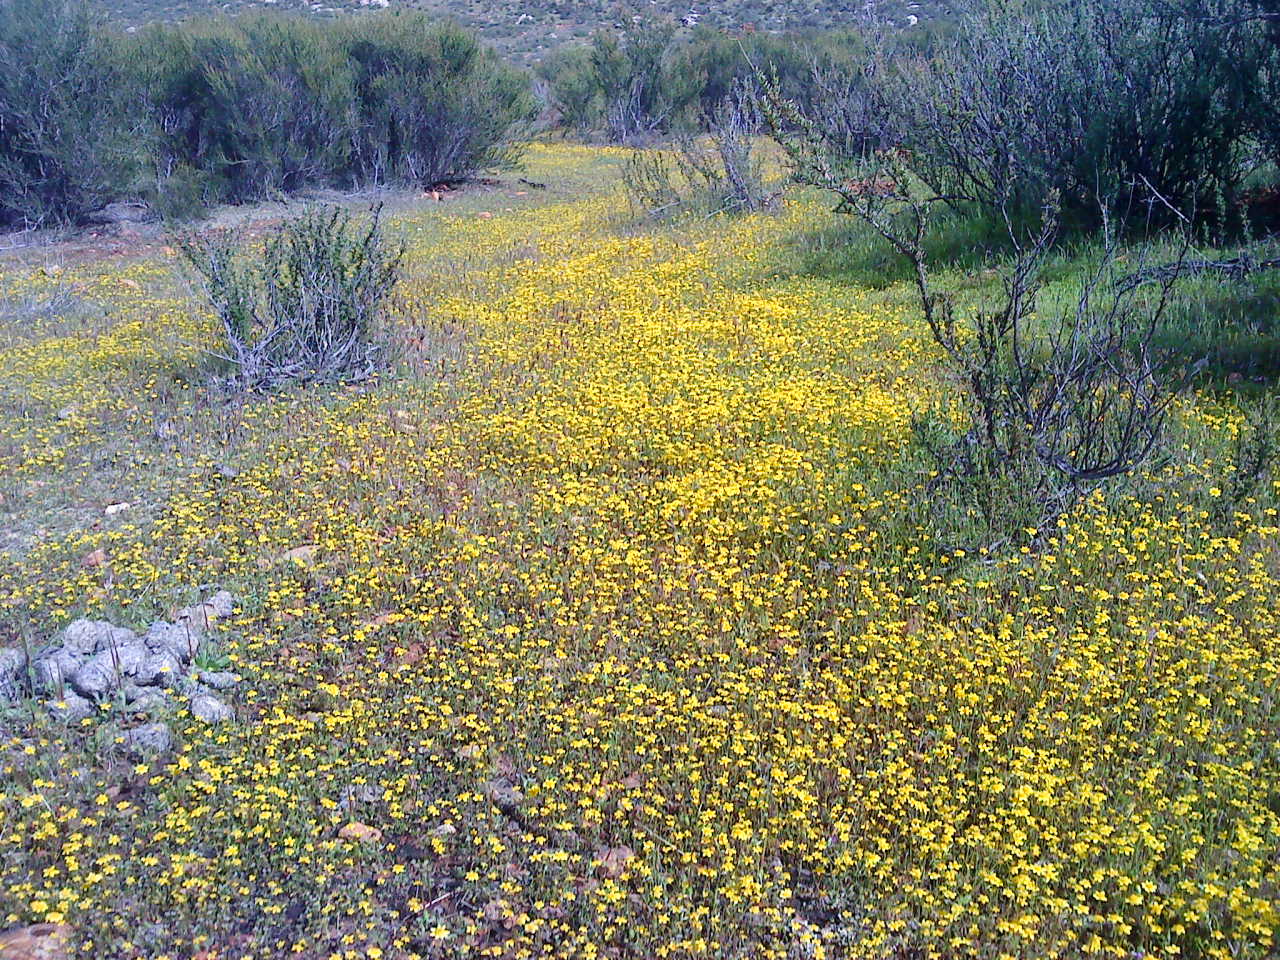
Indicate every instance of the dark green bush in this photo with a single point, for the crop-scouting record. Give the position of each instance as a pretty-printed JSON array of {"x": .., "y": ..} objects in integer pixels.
[
  {"x": 431, "y": 104},
  {"x": 1111, "y": 102},
  {"x": 651, "y": 78},
  {"x": 648, "y": 83},
  {"x": 68, "y": 145},
  {"x": 267, "y": 104},
  {"x": 238, "y": 109}
]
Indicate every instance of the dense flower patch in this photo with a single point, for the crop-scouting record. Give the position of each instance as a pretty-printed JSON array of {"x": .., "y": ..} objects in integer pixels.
[{"x": 616, "y": 628}]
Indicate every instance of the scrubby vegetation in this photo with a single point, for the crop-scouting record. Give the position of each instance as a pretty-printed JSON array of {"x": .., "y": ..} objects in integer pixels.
[
  {"x": 309, "y": 307},
  {"x": 625, "y": 632},
  {"x": 239, "y": 109},
  {"x": 530, "y": 30},
  {"x": 855, "y": 541}
]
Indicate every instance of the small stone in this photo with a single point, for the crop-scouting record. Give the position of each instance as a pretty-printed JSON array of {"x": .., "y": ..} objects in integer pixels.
[
  {"x": 614, "y": 860},
  {"x": 159, "y": 670},
  {"x": 303, "y": 554},
  {"x": 360, "y": 831},
  {"x": 106, "y": 671},
  {"x": 210, "y": 709},
  {"x": 182, "y": 640},
  {"x": 151, "y": 738},
  {"x": 222, "y": 604},
  {"x": 219, "y": 679},
  {"x": 199, "y": 616},
  {"x": 41, "y": 941},
  {"x": 503, "y": 795},
  {"x": 71, "y": 708},
  {"x": 117, "y": 508},
  {"x": 444, "y": 831}
]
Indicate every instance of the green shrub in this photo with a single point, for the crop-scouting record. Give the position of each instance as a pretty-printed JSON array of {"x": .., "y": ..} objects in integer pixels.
[
  {"x": 647, "y": 81},
  {"x": 431, "y": 104},
  {"x": 309, "y": 308},
  {"x": 572, "y": 90},
  {"x": 68, "y": 146},
  {"x": 240, "y": 109},
  {"x": 1109, "y": 102}
]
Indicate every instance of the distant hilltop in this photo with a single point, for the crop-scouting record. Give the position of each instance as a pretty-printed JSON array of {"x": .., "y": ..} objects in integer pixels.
[{"x": 527, "y": 29}]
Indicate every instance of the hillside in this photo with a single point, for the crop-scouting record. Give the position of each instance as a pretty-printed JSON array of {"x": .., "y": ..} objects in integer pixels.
[
  {"x": 604, "y": 627},
  {"x": 528, "y": 29}
]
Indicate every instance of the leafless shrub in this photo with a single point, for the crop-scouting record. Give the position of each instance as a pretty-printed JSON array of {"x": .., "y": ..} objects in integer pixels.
[
  {"x": 851, "y": 105},
  {"x": 307, "y": 310},
  {"x": 718, "y": 173},
  {"x": 1055, "y": 407}
]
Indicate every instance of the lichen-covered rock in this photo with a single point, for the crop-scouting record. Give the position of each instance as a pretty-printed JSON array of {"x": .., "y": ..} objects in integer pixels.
[
  {"x": 86, "y": 637},
  {"x": 201, "y": 615},
  {"x": 161, "y": 669},
  {"x": 218, "y": 680},
  {"x": 71, "y": 707},
  {"x": 149, "y": 739},
  {"x": 106, "y": 672},
  {"x": 182, "y": 639},
  {"x": 210, "y": 709},
  {"x": 54, "y": 668}
]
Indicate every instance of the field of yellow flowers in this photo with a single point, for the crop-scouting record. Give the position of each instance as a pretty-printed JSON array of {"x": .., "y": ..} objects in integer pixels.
[{"x": 603, "y": 629}]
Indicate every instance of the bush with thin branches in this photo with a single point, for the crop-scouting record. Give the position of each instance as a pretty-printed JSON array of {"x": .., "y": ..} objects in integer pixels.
[
  {"x": 1054, "y": 405},
  {"x": 308, "y": 308}
]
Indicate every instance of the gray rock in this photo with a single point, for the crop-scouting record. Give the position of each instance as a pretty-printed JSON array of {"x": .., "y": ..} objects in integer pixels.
[
  {"x": 84, "y": 637},
  {"x": 181, "y": 639},
  {"x": 72, "y": 708},
  {"x": 13, "y": 664},
  {"x": 219, "y": 680},
  {"x": 159, "y": 670},
  {"x": 120, "y": 212},
  {"x": 199, "y": 616},
  {"x": 107, "y": 671},
  {"x": 151, "y": 738},
  {"x": 503, "y": 794},
  {"x": 210, "y": 709},
  {"x": 223, "y": 604},
  {"x": 54, "y": 668}
]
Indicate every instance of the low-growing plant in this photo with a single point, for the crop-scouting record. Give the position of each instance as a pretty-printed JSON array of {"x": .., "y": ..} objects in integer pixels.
[
  {"x": 308, "y": 308},
  {"x": 1254, "y": 451}
]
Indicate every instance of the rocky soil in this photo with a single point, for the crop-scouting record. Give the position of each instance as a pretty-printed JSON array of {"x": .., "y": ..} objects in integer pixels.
[{"x": 91, "y": 663}]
